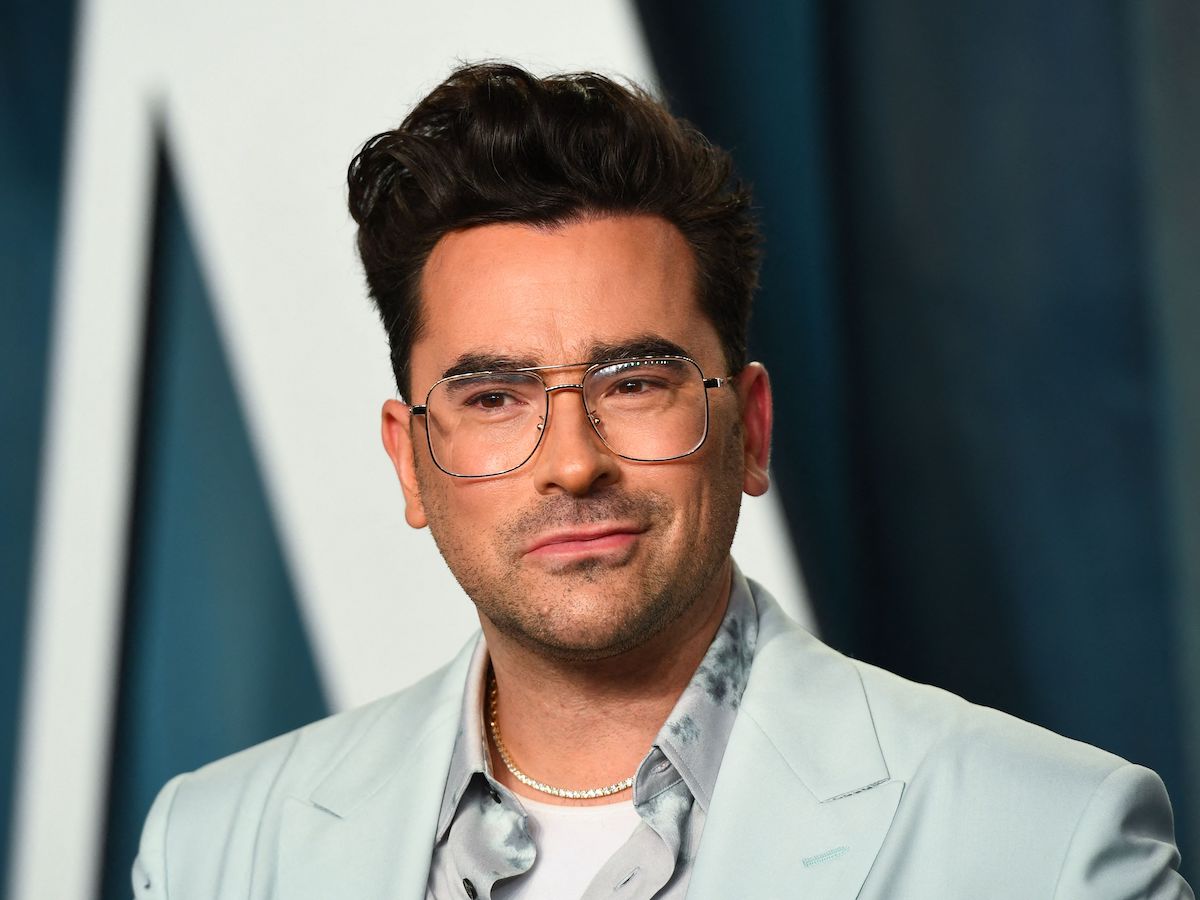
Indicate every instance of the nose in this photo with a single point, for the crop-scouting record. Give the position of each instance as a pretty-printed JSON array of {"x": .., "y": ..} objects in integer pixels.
[{"x": 571, "y": 458}]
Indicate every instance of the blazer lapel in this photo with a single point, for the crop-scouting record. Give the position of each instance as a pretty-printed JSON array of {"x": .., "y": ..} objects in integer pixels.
[
  {"x": 804, "y": 799},
  {"x": 367, "y": 830}
]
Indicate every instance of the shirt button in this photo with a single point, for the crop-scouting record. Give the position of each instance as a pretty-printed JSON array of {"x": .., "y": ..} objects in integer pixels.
[
  {"x": 469, "y": 888},
  {"x": 495, "y": 794}
]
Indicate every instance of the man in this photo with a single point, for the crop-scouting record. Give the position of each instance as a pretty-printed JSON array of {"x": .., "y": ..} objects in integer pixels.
[{"x": 565, "y": 273}]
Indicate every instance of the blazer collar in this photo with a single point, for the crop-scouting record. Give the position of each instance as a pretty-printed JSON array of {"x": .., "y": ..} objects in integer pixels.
[
  {"x": 809, "y": 700},
  {"x": 367, "y": 829},
  {"x": 804, "y": 799}
]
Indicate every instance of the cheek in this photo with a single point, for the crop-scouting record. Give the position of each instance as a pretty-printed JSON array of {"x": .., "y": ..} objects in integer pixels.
[
  {"x": 701, "y": 489},
  {"x": 461, "y": 513},
  {"x": 716, "y": 490},
  {"x": 436, "y": 498}
]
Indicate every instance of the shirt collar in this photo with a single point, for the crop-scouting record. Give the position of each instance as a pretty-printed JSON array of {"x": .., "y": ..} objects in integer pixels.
[
  {"x": 470, "y": 754},
  {"x": 695, "y": 734},
  {"x": 691, "y": 742}
]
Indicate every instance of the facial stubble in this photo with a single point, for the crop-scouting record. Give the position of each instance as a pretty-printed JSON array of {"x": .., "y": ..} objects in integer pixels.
[{"x": 594, "y": 608}]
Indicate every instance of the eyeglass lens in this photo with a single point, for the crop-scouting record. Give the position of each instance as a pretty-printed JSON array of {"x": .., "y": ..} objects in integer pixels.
[{"x": 643, "y": 409}]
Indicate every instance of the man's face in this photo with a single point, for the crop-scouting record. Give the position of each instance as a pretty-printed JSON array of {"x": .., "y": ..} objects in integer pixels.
[{"x": 578, "y": 554}]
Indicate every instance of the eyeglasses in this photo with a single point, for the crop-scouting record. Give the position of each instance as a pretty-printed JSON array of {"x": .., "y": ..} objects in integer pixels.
[{"x": 648, "y": 409}]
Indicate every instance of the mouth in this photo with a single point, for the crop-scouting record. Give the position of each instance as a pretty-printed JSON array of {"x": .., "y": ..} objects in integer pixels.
[{"x": 595, "y": 540}]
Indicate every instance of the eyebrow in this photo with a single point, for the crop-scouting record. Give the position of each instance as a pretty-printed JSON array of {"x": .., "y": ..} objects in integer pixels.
[
  {"x": 478, "y": 361},
  {"x": 641, "y": 345},
  {"x": 646, "y": 344}
]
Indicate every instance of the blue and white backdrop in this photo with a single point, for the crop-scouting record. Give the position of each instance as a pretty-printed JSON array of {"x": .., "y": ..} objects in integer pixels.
[{"x": 979, "y": 307}]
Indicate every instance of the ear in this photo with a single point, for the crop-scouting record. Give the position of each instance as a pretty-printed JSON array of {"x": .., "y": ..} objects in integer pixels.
[
  {"x": 395, "y": 428},
  {"x": 753, "y": 388}
]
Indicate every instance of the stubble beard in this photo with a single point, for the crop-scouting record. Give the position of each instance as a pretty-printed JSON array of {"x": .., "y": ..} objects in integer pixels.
[{"x": 590, "y": 609}]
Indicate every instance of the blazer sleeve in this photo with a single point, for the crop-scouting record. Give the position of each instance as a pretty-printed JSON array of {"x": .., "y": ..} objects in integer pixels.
[
  {"x": 1124, "y": 843},
  {"x": 150, "y": 868}
]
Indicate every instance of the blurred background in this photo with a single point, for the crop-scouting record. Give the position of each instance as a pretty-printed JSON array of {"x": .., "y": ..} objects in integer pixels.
[{"x": 980, "y": 308}]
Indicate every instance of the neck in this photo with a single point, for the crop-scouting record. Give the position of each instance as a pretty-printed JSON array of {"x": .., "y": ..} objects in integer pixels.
[{"x": 587, "y": 724}]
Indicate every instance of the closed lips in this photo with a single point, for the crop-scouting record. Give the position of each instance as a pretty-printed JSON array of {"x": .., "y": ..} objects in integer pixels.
[{"x": 582, "y": 536}]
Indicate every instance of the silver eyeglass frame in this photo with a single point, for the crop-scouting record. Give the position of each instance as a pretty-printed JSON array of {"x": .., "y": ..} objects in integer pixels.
[{"x": 708, "y": 382}]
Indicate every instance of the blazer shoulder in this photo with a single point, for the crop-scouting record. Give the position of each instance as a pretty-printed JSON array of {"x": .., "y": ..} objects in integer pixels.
[
  {"x": 303, "y": 757},
  {"x": 1082, "y": 819},
  {"x": 981, "y": 792},
  {"x": 920, "y": 729},
  {"x": 232, "y": 805},
  {"x": 917, "y": 723}
]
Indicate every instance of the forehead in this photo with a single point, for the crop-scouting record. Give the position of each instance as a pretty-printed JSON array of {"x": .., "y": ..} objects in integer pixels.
[{"x": 549, "y": 295}]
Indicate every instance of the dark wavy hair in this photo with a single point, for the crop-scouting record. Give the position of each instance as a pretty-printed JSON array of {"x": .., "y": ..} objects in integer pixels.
[{"x": 494, "y": 143}]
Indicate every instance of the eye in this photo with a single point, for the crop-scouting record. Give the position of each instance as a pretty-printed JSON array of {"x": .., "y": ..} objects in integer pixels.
[
  {"x": 638, "y": 388},
  {"x": 491, "y": 400}
]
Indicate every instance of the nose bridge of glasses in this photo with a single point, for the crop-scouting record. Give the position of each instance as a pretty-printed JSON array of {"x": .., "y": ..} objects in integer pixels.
[{"x": 569, "y": 386}]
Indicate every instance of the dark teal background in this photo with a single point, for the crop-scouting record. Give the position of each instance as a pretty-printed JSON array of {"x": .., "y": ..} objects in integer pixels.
[
  {"x": 980, "y": 311},
  {"x": 971, "y": 252},
  {"x": 35, "y": 41}
]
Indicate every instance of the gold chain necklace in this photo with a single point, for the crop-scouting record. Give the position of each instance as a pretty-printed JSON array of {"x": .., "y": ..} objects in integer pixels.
[{"x": 569, "y": 794}]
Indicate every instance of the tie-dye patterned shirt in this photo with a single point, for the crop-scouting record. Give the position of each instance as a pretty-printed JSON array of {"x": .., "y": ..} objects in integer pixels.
[{"x": 482, "y": 835}]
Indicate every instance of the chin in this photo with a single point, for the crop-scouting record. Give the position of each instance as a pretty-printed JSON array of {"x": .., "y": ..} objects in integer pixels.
[
  {"x": 582, "y": 625},
  {"x": 575, "y": 647},
  {"x": 589, "y": 570}
]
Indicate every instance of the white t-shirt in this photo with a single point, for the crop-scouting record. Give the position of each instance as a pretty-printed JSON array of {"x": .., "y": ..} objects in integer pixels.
[{"x": 572, "y": 842}]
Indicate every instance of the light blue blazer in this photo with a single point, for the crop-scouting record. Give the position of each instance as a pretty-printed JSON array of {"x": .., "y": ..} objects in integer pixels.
[{"x": 840, "y": 781}]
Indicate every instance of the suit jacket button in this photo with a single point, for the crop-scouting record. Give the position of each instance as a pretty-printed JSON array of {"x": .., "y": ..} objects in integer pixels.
[{"x": 469, "y": 888}]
